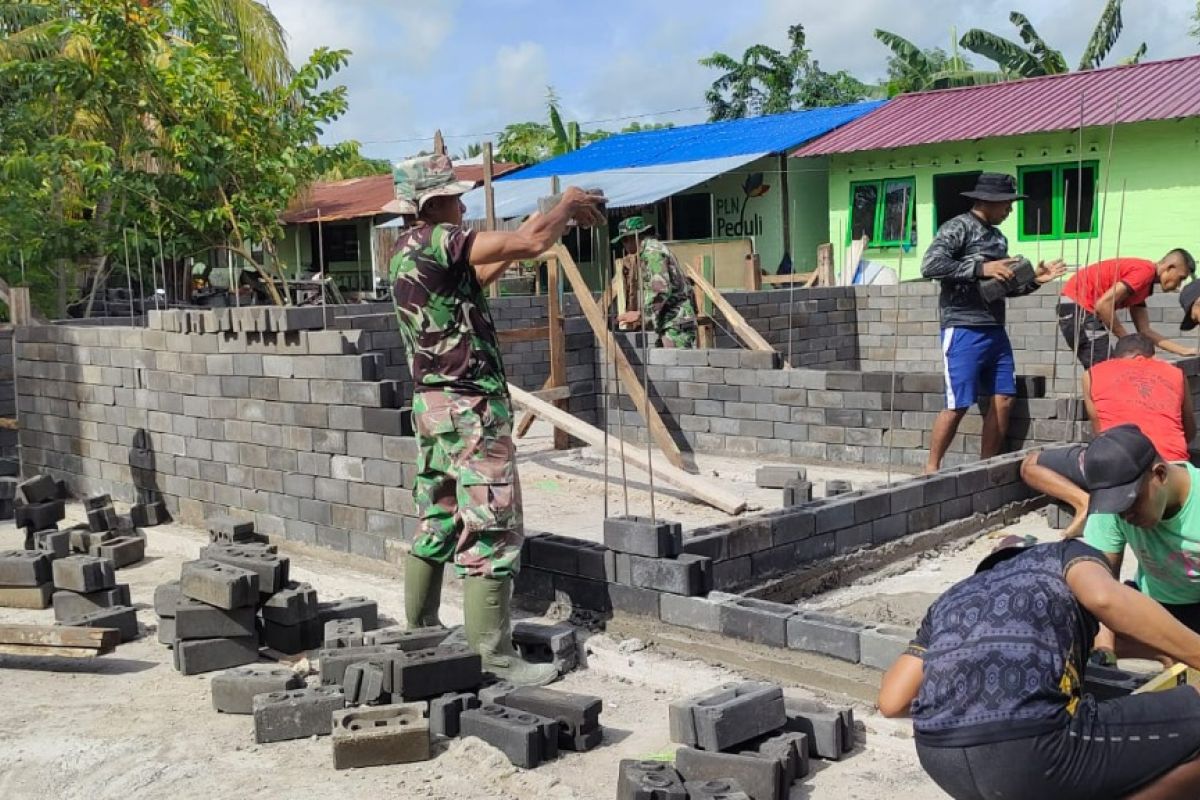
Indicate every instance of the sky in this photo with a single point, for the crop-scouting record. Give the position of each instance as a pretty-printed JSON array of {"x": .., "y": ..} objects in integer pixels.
[{"x": 470, "y": 67}]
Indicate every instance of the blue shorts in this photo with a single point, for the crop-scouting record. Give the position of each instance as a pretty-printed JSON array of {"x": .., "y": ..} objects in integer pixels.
[{"x": 979, "y": 362}]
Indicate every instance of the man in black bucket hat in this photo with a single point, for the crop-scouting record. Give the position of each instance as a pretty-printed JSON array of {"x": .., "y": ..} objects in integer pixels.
[
  {"x": 993, "y": 681},
  {"x": 967, "y": 250}
]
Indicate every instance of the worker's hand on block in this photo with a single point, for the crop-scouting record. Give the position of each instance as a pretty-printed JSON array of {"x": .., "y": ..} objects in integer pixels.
[
  {"x": 630, "y": 318},
  {"x": 586, "y": 206},
  {"x": 1048, "y": 271},
  {"x": 1000, "y": 269}
]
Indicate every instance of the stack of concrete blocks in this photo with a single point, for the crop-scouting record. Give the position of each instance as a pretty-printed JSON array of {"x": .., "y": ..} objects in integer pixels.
[
  {"x": 793, "y": 480},
  {"x": 91, "y": 597},
  {"x": 8, "y": 497},
  {"x": 38, "y": 506},
  {"x": 10, "y": 462},
  {"x": 25, "y": 579},
  {"x": 215, "y": 615},
  {"x": 740, "y": 735},
  {"x": 109, "y": 534},
  {"x": 645, "y": 560},
  {"x": 556, "y": 644}
]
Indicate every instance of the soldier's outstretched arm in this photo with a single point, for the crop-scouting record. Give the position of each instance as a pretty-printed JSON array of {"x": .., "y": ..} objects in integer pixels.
[{"x": 539, "y": 232}]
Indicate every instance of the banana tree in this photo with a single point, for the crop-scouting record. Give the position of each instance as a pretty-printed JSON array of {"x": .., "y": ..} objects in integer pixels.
[{"x": 912, "y": 69}]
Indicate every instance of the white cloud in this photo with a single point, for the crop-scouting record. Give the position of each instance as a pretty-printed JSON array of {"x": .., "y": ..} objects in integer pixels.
[{"x": 513, "y": 86}]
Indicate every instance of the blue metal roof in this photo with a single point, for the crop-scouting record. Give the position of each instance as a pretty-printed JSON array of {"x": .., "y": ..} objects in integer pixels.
[{"x": 771, "y": 134}]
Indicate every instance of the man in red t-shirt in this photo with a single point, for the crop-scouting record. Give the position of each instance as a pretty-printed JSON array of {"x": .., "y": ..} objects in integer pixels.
[
  {"x": 1133, "y": 387},
  {"x": 1087, "y": 312}
]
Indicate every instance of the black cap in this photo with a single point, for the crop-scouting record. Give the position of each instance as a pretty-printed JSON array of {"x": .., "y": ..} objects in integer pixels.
[
  {"x": 1187, "y": 299},
  {"x": 994, "y": 187},
  {"x": 1114, "y": 465},
  {"x": 1008, "y": 547}
]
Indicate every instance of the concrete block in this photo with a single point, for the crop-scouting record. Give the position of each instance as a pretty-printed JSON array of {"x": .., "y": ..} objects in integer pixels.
[
  {"x": 778, "y": 476},
  {"x": 723, "y": 722},
  {"x": 233, "y": 691},
  {"x": 422, "y": 674},
  {"x": 632, "y": 600},
  {"x": 883, "y": 644},
  {"x": 56, "y": 543},
  {"x": 122, "y": 618},
  {"x": 350, "y": 608},
  {"x": 445, "y": 712},
  {"x": 102, "y": 519},
  {"x": 196, "y": 656},
  {"x": 638, "y": 536},
  {"x": 796, "y": 493},
  {"x": 790, "y": 750},
  {"x": 554, "y": 644},
  {"x": 577, "y": 714},
  {"x": 229, "y": 530},
  {"x": 219, "y": 584},
  {"x": 697, "y": 613},
  {"x": 271, "y": 568},
  {"x": 83, "y": 539},
  {"x": 368, "y": 682},
  {"x": 333, "y": 663},
  {"x": 166, "y": 598},
  {"x": 818, "y": 633},
  {"x": 834, "y": 487},
  {"x": 72, "y": 604},
  {"x": 676, "y": 576},
  {"x": 25, "y": 568},
  {"x": 368, "y": 737},
  {"x": 649, "y": 780},
  {"x": 147, "y": 515},
  {"x": 495, "y": 693},
  {"x": 761, "y": 778},
  {"x": 166, "y": 631},
  {"x": 26, "y": 596},
  {"x": 343, "y": 633},
  {"x": 1058, "y": 517},
  {"x": 407, "y": 639},
  {"x": 757, "y": 621},
  {"x": 291, "y": 605},
  {"x": 121, "y": 550},
  {"x": 38, "y": 489},
  {"x": 40, "y": 516},
  {"x": 197, "y": 620},
  {"x": 526, "y": 739},
  {"x": 83, "y": 574},
  {"x": 826, "y": 730},
  {"x": 724, "y": 789},
  {"x": 291, "y": 639},
  {"x": 296, "y": 714}
]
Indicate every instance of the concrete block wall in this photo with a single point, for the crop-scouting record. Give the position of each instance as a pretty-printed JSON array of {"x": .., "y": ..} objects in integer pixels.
[{"x": 817, "y": 327}]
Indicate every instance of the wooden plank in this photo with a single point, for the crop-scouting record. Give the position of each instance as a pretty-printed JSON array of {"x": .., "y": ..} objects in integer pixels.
[
  {"x": 558, "y": 345},
  {"x": 535, "y": 334},
  {"x": 97, "y": 640},
  {"x": 750, "y": 337},
  {"x": 19, "y": 307},
  {"x": 753, "y": 274},
  {"x": 700, "y": 488},
  {"x": 625, "y": 373},
  {"x": 61, "y": 652},
  {"x": 527, "y": 421},
  {"x": 553, "y": 394},
  {"x": 824, "y": 271},
  {"x": 784, "y": 280}
]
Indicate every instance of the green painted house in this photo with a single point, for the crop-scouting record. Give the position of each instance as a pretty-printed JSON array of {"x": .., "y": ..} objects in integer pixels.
[{"x": 1126, "y": 181}]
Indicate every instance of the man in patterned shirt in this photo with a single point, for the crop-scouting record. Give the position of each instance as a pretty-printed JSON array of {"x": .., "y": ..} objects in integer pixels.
[
  {"x": 666, "y": 293},
  {"x": 466, "y": 492},
  {"x": 993, "y": 681}
]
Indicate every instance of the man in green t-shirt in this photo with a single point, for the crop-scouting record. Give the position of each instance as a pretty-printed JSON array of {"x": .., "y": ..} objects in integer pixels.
[{"x": 1137, "y": 498}]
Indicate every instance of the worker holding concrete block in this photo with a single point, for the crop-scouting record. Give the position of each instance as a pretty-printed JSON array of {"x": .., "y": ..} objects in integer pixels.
[
  {"x": 968, "y": 251},
  {"x": 1091, "y": 298},
  {"x": 467, "y": 491},
  {"x": 993, "y": 681},
  {"x": 666, "y": 293},
  {"x": 1133, "y": 387}
]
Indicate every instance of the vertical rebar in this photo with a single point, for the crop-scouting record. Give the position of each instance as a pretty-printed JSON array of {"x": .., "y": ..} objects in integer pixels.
[
  {"x": 611, "y": 355},
  {"x": 642, "y": 294},
  {"x": 128, "y": 275},
  {"x": 896, "y": 339}
]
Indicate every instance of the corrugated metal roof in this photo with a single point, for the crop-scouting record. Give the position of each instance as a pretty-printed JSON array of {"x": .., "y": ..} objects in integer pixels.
[
  {"x": 770, "y": 134},
  {"x": 1151, "y": 91},
  {"x": 622, "y": 188},
  {"x": 363, "y": 197}
]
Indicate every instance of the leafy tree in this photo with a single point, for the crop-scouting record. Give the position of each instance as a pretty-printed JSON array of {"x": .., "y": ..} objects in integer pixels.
[
  {"x": 473, "y": 150},
  {"x": 911, "y": 69},
  {"x": 1196, "y": 20},
  {"x": 1037, "y": 57},
  {"x": 525, "y": 143},
  {"x": 355, "y": 165},
  {"x": 768, "y": 81}
]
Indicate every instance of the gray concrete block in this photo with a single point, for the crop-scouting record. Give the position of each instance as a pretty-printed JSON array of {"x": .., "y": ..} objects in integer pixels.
[
  {"x": 166, "y": 598},
  {"x": 271, "y": 568},
  {"x": 649, "y": 780},
  {"x": 697, "y": 613},
  {"x": 83, "y": 574},
  {"x": 121, "y": 550},
  {"x": 197, "y": 620},
  {"x": 122, "y": 618},
  {"x": 333, "y": 663},
  {"x": 368, "y": 737},
  {"x": 819, "y": 633},
  {"x": 790, "y": 750},
  {"x": 826, "y": 730},
  {"x": 422, "y": 674},
  {"x": 577, "y": 714},
  {"x": 796, "y": 493},
  {"x": 291, "y": 639},
  {"x": 25, "y": 568},
  {"x": 36, "y": 597},
  {"x": 296, "y": 714},
  {"x": 56, "y": 543},
  {"x": 761, "y": 778},
  {"x": 343, "y": 633},
  {"x": 407, "y": 639},
  {"x": 724, "y": 789},
  {"x": 777, "y": 476},
  {"x": 219, "y": 584},
  {"x": 368, "y": 682},
  {"x": 723, "y": 722},
  {"x": 196, "y": 656},
  {"x": 638, "y": 536},
  {"x": 883, "y": 644},
  {"x": 445, "y": 712},
  {"x": 758, "y": 621},
  {"x": 360, "y": 608},
  {"x": 233, "y": 691},
  {"x": 554, "y": 644},
  {"x": 683, "y": 576},
  {"x": 291, "y": 605},
  {"x": 524, "y": 738},
  {"x": 73, "y": 604}
]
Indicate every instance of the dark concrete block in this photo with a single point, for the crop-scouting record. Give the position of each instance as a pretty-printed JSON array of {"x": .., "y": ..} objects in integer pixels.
[
  {"x": 25, "y": 568},
  {"x": 547, "y": 644},
  {"x": 56, "y": 543},
  {"x": 576, "y": 714},
  {"x": 351, "y": 608},
  {"x": 649, "y": 780},
  {"x": 296, "y": 714},
  {"x": 675, "y": 576},
  {"x": 208, "y": 655},
  {"x": 233, "y": 691},
  {"x": 445, "y": 712},
  {"x": 38, "y": 489},
  {"x": 72, "y": 604},
  {"x": 834, "y": 487},
  {"x": 40, "y": 516},
  {"x": 83, "y": 574},
  {"x": 166, "y": 598},
  {"x": 219, "y": 584},
  {"x": 293, "y": 604},
  {"x": 639, "y": 536},
  {"x": 121, "y": 550},
  {"x": 761, "y": 778},
  {"x": 407, "y": 639},
  {"x": 724, "y": 789},
  {"x": 122, "y": 618},
  {"x": 271, "y": 568},
  {"x": 554, "y": 553},
  {"x": 422, "y": 674},
  {"x": 368, "y": 682},
  {"x": 522, "y": 737},
  {"x": 292, "y": 639},
  {"x": 790, "y": 750},
  {"x": 197, "y": 620}
]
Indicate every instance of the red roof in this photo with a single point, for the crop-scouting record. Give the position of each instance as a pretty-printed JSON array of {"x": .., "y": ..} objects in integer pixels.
[
  {"x": 1152, "y": 91},
  {"x": 364, "y": 197}
]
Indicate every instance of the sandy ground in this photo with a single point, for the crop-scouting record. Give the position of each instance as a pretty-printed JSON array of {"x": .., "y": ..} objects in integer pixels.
[{"x": 127, "y": 725}]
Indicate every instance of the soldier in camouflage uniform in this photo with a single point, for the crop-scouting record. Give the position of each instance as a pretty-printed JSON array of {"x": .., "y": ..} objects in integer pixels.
[
  {"x": 467, "y": 492},
  {"x": 666, "y": 294}
]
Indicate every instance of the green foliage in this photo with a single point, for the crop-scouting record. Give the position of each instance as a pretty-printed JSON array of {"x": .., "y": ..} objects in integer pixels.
[
  {"x": 355, "y": 165},
  {"x": 768, "y": 81},
  {"x": 525, "y": 143},
  {"x": 152, "y": 118},
  {"x": 911, "y": 69}
]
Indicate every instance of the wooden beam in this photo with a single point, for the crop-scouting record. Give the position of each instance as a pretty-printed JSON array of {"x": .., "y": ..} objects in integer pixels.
[
  {"x": 558, "y": 346},
  {"x": 527, "y": 421},
  {"x": 514, "y": 335},
  {"x": 700, "y": 488},
  {"x": 750, "y": 337},
  {"x": 633, "y": 386},
  {"x": 753, "y": 267},
  {"x": 784, "y": 280},
  {"x": 54, "y": 640},
  {"x": 20, "y": 311},
  {"x": 553, "y": 394}
]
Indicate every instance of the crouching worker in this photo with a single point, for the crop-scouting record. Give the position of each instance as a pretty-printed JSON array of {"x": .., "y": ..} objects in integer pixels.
[
  {"x": 993, "y": 683},
  {"x": 1133, "y": 387}
]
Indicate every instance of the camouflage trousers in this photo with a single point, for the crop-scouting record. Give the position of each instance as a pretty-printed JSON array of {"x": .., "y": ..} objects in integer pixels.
[
  {"x": 467, "y": 492},
  {"x": 682, "y": 338}
]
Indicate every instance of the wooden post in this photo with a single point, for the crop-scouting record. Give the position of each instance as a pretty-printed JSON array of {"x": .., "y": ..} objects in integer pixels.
[
  {"x": 489, "y": 203},
  {"x": 633, "y": 386},
  {"x": 20, "y": 312},
  {"x": 558, "y": 348},
  {"x": 753, "y": 273},
  {"x": 785, "y": 201},
  {"x": 749, "y": 336},
  {"x": 671, "y": 218},
  {"x": 704, "y": 324},
  {"x": 439, "y": 143},
  {"x": 823, "y": 274}
]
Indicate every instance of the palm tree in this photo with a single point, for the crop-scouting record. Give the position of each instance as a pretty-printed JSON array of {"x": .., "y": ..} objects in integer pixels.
[
  {"x": 761, "y": 83},
  {"x": 1039, "y": 58},
  {"x": 912, "y": 69},
  {"x": 473, "y": 150}
]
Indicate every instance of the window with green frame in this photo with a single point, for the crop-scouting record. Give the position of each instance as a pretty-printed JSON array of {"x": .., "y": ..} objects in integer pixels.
[
  {"x": 1061, "y": 202},
  {"x": 879, "y": 210}
]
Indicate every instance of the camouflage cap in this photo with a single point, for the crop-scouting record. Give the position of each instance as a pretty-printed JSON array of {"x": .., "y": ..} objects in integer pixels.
[
  {"x": 418, "y": 179},
  {"x": 631, "y": 226}
]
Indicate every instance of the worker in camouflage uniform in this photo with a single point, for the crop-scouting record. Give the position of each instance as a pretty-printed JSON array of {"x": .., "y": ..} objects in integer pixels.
[
  {"x": 666, "y": 294},
  {"x": 467, "y": 492}
]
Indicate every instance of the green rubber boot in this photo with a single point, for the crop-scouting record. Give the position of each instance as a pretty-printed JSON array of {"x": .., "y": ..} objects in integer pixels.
[
  {"x": 422, "y": 591},
  {"x": 489, "y": 633}
]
